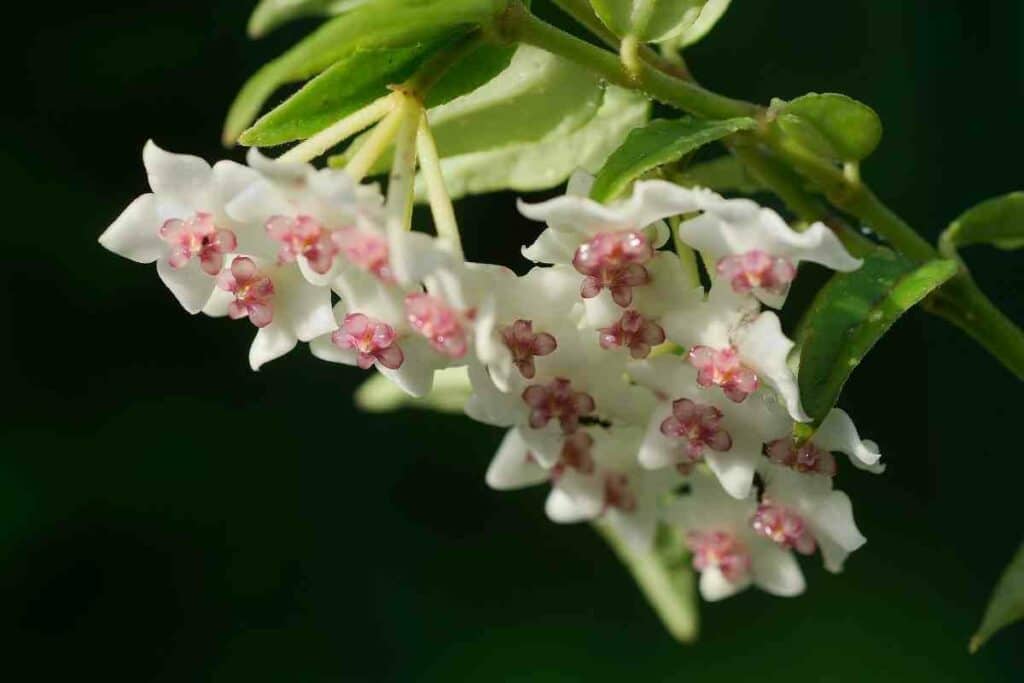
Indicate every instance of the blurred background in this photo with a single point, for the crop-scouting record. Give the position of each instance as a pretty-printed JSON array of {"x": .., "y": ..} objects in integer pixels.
[{"x": 168, "y": 515}]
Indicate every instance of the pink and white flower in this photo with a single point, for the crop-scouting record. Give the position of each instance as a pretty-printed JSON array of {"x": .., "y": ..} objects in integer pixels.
[
  {"x": 693, "y": 424},
  {"x": 753, "y": 249},
  {"x": 283, "y": 306},
  {"x": 735, "y": 346},
  {"x": 727, "y": 551},
  {"x": 183, "y": 224}
]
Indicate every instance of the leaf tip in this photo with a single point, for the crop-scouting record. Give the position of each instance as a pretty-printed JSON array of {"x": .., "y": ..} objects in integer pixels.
[{"x": 975, "y": 644}]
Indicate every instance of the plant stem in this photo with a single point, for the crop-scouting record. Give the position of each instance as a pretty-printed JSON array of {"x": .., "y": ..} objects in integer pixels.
[
  {"x": 402, "y": 179},
  {"x": 962, "y": 303},
  {"x": 377, "y": 142},
  {"x": 517, "y": 24},
  {"x": 669, "y": 588},
  {"x": 440, "y": 201},
  {"x": 313, "y": 147}
]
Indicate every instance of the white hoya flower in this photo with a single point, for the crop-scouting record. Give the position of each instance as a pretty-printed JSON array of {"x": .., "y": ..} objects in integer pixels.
[
  {"x": 695, "y": 424},
  {"x": 802, "y": 512},
  {"x": 735, "y": 346},
  {"x": 575, "y": 383},
  {"x": 594, "y": 477},
  {"x": 729, "y": 554},
  {"x": 182, "y": 224},
  {"x": 321, "y": 219},
  {"x": 836, "y": 433},
  {"x": 753, "y": 249},
  {"x": 373, "y": 330},
  {"x": 523, "y": 321},
  {"x": 283, "y": 306},
  {"x": 610, "y": 246},
  {"x": 638, "y": 328}
]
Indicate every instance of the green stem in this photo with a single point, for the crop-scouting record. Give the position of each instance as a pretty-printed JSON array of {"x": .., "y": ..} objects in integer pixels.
[
  {"x": 962, "y": 303},
  {"x": 668, "y": 586},
  {"x": 517, "y": 24}
]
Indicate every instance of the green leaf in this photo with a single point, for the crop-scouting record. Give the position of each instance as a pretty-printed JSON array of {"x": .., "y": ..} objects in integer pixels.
[
  {"x": 551, "y": 160},
  {"x": 682, "y": 21},
  {"x": 352, "y": 83},
  {"x": 1006, "y": 604},
  {"x": 270, "y": 14},
  {"x": 998, "y": 221},
  {"x": 659, "y": 142},
  {"x": 830, "y": 124},
  {"x": 724, "y": 174},
  {"x": 539, "y": 96},
  {"x": 469, "y": 73},
  {"x": 449, "y": 394},
  {"x": 851, "y": 313},
  {"x": 380, "y": 24},
  {"x": 665, "y": 577}
]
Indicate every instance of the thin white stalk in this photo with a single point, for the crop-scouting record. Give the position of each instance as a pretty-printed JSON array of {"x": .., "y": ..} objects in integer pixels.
[
  {"x": 343, "y": 129},
  {"x": 377, "y": 142},
  {"x": 401, "y": 182},
  {"x": 440, "y": 202}
]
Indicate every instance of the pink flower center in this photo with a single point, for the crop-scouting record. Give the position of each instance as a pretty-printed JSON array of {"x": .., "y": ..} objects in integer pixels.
[
  {"x": 804, "y": 458},
  {"x": 558, "y": 400},
  {"x": 439, "y": 323},
  {"x": 366, "y": 250},
  {"x": 617, "y": 494},
  {"x": 614, "y": 260},
  {"x": 719, "y": 549},
  {"x": 303, "y": 236},
  {"x": 253, "y": 291},
  {"x": 373, "y": 340},
  {"x": 575, "y": 455},
  {"x": 698, "y": 427},
  {"x": 785, "y": 527},
  {"x": 757, "y": 270},
  {"x": 722, "y": 367},
  {"x": 634, "y": 332},
  {"x": 524, "y": 344},
  {"x": 197, "y": 236}
]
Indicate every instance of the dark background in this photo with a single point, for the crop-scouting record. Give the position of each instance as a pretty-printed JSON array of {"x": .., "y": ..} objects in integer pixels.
[{"x": 168, "y": 515}]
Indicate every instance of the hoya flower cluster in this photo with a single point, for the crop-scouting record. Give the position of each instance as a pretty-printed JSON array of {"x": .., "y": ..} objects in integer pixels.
[{"x": 640, "y": 398}]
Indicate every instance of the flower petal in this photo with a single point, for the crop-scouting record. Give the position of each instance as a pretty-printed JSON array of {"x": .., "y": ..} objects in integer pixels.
[
  {"x": 183, "y": 178},
  {"x": 714, "y": 586},
  {"x": 775, "y": 570},
  {"x": 838, "y": 433},
  {"x": 272, "y": 341},
  {"x": 513, "y": 467},
  {"x": 136, "y": 232},
  {"x": 765, "y": 349},
  {"x": 189, "y": 284}
]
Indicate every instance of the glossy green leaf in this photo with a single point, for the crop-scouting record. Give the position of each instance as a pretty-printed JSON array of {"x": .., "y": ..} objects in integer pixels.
[
  {"x": 830, "y": 124},
  {"x": 998, "y": 221},
  {"x": 539, "y": 95},
  {"x": 682, "y": 21},
  {"x": 352, "y": 83},
  {"x": 725, "y": 174},
  {"x": 1006, "y": 604},
  {"x": 666, "y": 578},
  {"x": 380, "y": 24},
  {"x": 851, "y": 313},
  {"x": 469, "y": 73},
  {"x": 659, "y": 142},
  {"x": 549, "y": 161},
  {"x": 270, "y": 14}
]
